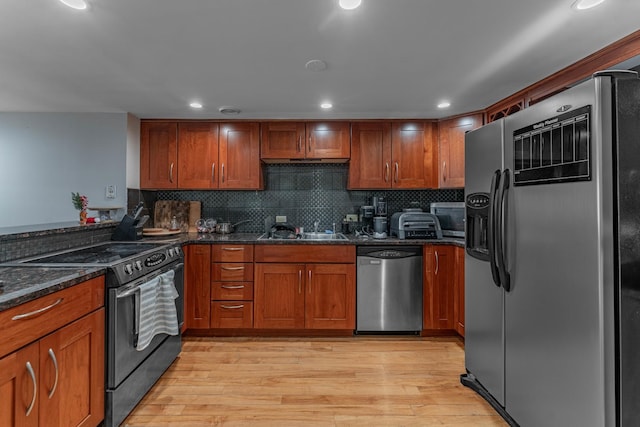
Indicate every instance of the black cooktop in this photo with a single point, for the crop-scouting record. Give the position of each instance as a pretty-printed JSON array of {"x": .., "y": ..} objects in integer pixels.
[{"x": 108, "y": 253}]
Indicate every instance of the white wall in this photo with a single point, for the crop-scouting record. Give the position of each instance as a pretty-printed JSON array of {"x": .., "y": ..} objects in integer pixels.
[
  {"x": 133, "y": 151},
  {"x": 46, "y": 156}
]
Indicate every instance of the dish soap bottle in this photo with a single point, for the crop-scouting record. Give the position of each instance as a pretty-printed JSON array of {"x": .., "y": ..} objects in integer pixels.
[{"x": 174, "y": 224}]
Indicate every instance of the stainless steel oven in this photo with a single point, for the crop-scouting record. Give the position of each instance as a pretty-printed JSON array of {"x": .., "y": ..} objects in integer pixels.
[{"x": 131, "y": 373}]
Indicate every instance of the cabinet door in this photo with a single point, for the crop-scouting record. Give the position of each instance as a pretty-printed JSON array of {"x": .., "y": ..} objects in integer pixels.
[
  {"x": 71, "y": 391},
  {"x": 451, "y": 149},
  {"x": 328, "y": 140},
  {"x": 158, "y": 155},
  {"x": 440, "y": 282},
  {"x": 282, "y": 140},
  {"x": 239, "y": 153},
  {"x": 331, "y": 296},
  {"x": 458, "y": 296},
  {"x": 197, "y": 278},
  {"x": 279, "y": 296},
  {"x": 198, "y": 155},
  {"x": 412, "y": 153},
  {"x": 18, "y": 386},
  {"x": 370, "y": 164}
]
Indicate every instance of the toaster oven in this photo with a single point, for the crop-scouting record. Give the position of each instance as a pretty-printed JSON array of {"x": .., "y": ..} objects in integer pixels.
[{"x": 451, "y": 217}]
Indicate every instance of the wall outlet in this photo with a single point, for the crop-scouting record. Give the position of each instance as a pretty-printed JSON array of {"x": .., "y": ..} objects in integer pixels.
[
  {"x": 352, "y": 217},
  {"x": 281, "y": 218},
  {"x": 110, "y": 192}
]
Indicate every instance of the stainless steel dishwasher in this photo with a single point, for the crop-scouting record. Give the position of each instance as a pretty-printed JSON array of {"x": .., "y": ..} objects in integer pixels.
[{"x": 389, "y": 289}]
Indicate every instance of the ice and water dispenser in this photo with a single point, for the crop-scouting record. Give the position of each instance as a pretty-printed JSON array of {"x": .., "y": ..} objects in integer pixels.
[{"x": 476, "y": 236}]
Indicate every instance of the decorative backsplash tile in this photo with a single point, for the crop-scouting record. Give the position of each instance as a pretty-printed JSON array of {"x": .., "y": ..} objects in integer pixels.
[{"x": 304, "y": 193}]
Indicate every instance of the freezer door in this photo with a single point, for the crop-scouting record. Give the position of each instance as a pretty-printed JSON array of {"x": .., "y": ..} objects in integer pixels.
[
  {"x": 559, "y": 248},
  {"x": 484, "y": 341}
]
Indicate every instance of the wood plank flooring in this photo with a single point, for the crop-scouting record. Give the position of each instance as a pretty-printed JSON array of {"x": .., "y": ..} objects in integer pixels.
[{"x": 355, "y": 381}]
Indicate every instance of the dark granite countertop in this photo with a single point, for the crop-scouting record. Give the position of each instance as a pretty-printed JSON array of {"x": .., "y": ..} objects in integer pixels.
[
  {"x": 252, "y": 238},
  {"x": 39, "y": 230},
  {"x": 23, "y": 284}
]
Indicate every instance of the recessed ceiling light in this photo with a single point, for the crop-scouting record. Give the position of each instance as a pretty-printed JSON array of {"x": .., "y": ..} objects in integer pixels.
[
  {"x": 326, "y": 105},
  {"x": 444, "y": 104},
  {"x": 195, "y": 105},
  {"x": 586, "y": 4},
  {"x": 315, "y": 65},
  {"x": 229, "y": 110},
  {"x": 349, "y": 4},
  {"x": 75, "y": 4}
]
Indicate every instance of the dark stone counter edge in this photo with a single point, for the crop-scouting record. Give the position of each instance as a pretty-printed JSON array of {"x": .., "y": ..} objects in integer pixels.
[
  {"x": 252, "y": 239},
  {"x": 29, "y": 231},
  {"x": 34, "y": 287}
]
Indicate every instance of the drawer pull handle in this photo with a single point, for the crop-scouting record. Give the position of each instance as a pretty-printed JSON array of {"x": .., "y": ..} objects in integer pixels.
[
  {"x": 36, "y": 312},
  {"x": 35, "y": 388},
  {"x": 232, "y": 307},
  {"x": 232, "y": 287},
  {"x": 233, "y": 249},
  {"x": 52, "y": 355},
  {"x": 232, "y": 268}
]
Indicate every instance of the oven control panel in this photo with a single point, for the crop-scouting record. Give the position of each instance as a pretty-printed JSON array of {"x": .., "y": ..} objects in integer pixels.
[{"x": 144, "y": 264}]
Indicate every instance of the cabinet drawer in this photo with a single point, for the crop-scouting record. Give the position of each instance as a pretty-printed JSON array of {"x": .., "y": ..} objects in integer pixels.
[
  {"x": 297, "y": 253},
  {"x": 232, "y": 314},
  {"x": 232, "y": 272},
  {"x": 241, "y": 291},
  {"x": 30, "y": 321},
  {"x": 232, "y": 253}
]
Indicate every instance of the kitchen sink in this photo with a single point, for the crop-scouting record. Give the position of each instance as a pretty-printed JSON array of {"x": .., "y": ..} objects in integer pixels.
[
  {"x": 324, "y": 236},
  {"x": 313, "y": 236}
]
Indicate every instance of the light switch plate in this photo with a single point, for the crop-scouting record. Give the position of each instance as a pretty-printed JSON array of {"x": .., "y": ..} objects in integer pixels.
[
  {"x": 110, "y": 192},
  {"x": 352, "y": 217},
  {"x": 281, "y": 218}
]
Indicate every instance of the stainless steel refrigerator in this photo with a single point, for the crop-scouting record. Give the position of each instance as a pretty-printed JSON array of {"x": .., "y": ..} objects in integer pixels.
[{"x": 552, "y": 268}]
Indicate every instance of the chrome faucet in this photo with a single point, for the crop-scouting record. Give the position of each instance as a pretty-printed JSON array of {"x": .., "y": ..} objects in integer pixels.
[{"x": 315, "y": 226}]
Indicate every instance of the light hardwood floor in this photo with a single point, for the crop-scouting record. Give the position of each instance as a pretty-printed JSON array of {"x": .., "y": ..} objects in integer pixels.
[{"x": 359, "y": 381}]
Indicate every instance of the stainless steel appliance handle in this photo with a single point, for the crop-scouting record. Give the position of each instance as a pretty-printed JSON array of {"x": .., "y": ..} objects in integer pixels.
[
  {"x": 491, "y": 227},
  {"x": 38, "y": 311},
  {"x": 35, "y": 388},
  {"x": 52, "y": 356},
  {"x": 135, "y": 286},
  {"x": 505, "y": 277}
]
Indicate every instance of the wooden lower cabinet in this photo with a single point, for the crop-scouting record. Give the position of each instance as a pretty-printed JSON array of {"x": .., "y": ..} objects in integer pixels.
[
  {"x": 458, "y": 296},
  {"x": 232, "y": 286},
  {"x": 58, "y": 380},
  {"x": 439, "y": 284},
  {"x": 197, "y": 285},
  {"x": 304, "y": 296}
]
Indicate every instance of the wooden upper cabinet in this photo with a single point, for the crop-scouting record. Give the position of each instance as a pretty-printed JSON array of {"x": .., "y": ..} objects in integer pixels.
[
  {"x": 328, "y": 140},
  {"x": 451, "y": 149},
  {"x": 389, "y": 155},
  {"x": 282, "y": 140},
  {"x": 300, "y": 140},
  {"x": 158, "y": 155},
  {"x": 412, "y": 155},
  {"x": 239, "y": 156},
  {"x": 370, "y": 155},
  {"x": 198, "y": 155}
]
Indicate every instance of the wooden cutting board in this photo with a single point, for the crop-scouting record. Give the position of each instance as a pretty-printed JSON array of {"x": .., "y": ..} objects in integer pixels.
[
  {"x": 195, "y": 209},
  {"x": 165, "y": 210}
]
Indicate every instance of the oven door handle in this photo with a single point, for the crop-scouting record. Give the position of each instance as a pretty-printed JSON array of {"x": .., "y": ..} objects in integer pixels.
[{"x": 136, "y": 285}]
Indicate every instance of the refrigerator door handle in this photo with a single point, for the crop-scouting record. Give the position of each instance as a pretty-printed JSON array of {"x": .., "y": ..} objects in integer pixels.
[
  {"x": 492, "y": 227},
  {"x": 505, "y": 277}
]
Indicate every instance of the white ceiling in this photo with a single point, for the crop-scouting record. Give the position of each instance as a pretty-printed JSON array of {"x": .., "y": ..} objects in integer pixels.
[{"x": 386, "y": 59}]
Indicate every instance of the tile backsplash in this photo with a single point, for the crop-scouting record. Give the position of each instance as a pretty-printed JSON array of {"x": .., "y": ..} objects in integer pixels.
[{"x": 304, "y": 193}]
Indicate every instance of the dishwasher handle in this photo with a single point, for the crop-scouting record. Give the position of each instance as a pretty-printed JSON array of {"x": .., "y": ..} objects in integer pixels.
[{"x": 389, "y": 252}]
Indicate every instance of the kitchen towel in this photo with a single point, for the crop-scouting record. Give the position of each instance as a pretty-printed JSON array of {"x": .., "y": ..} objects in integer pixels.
[{"x": 156, "y": 309}]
